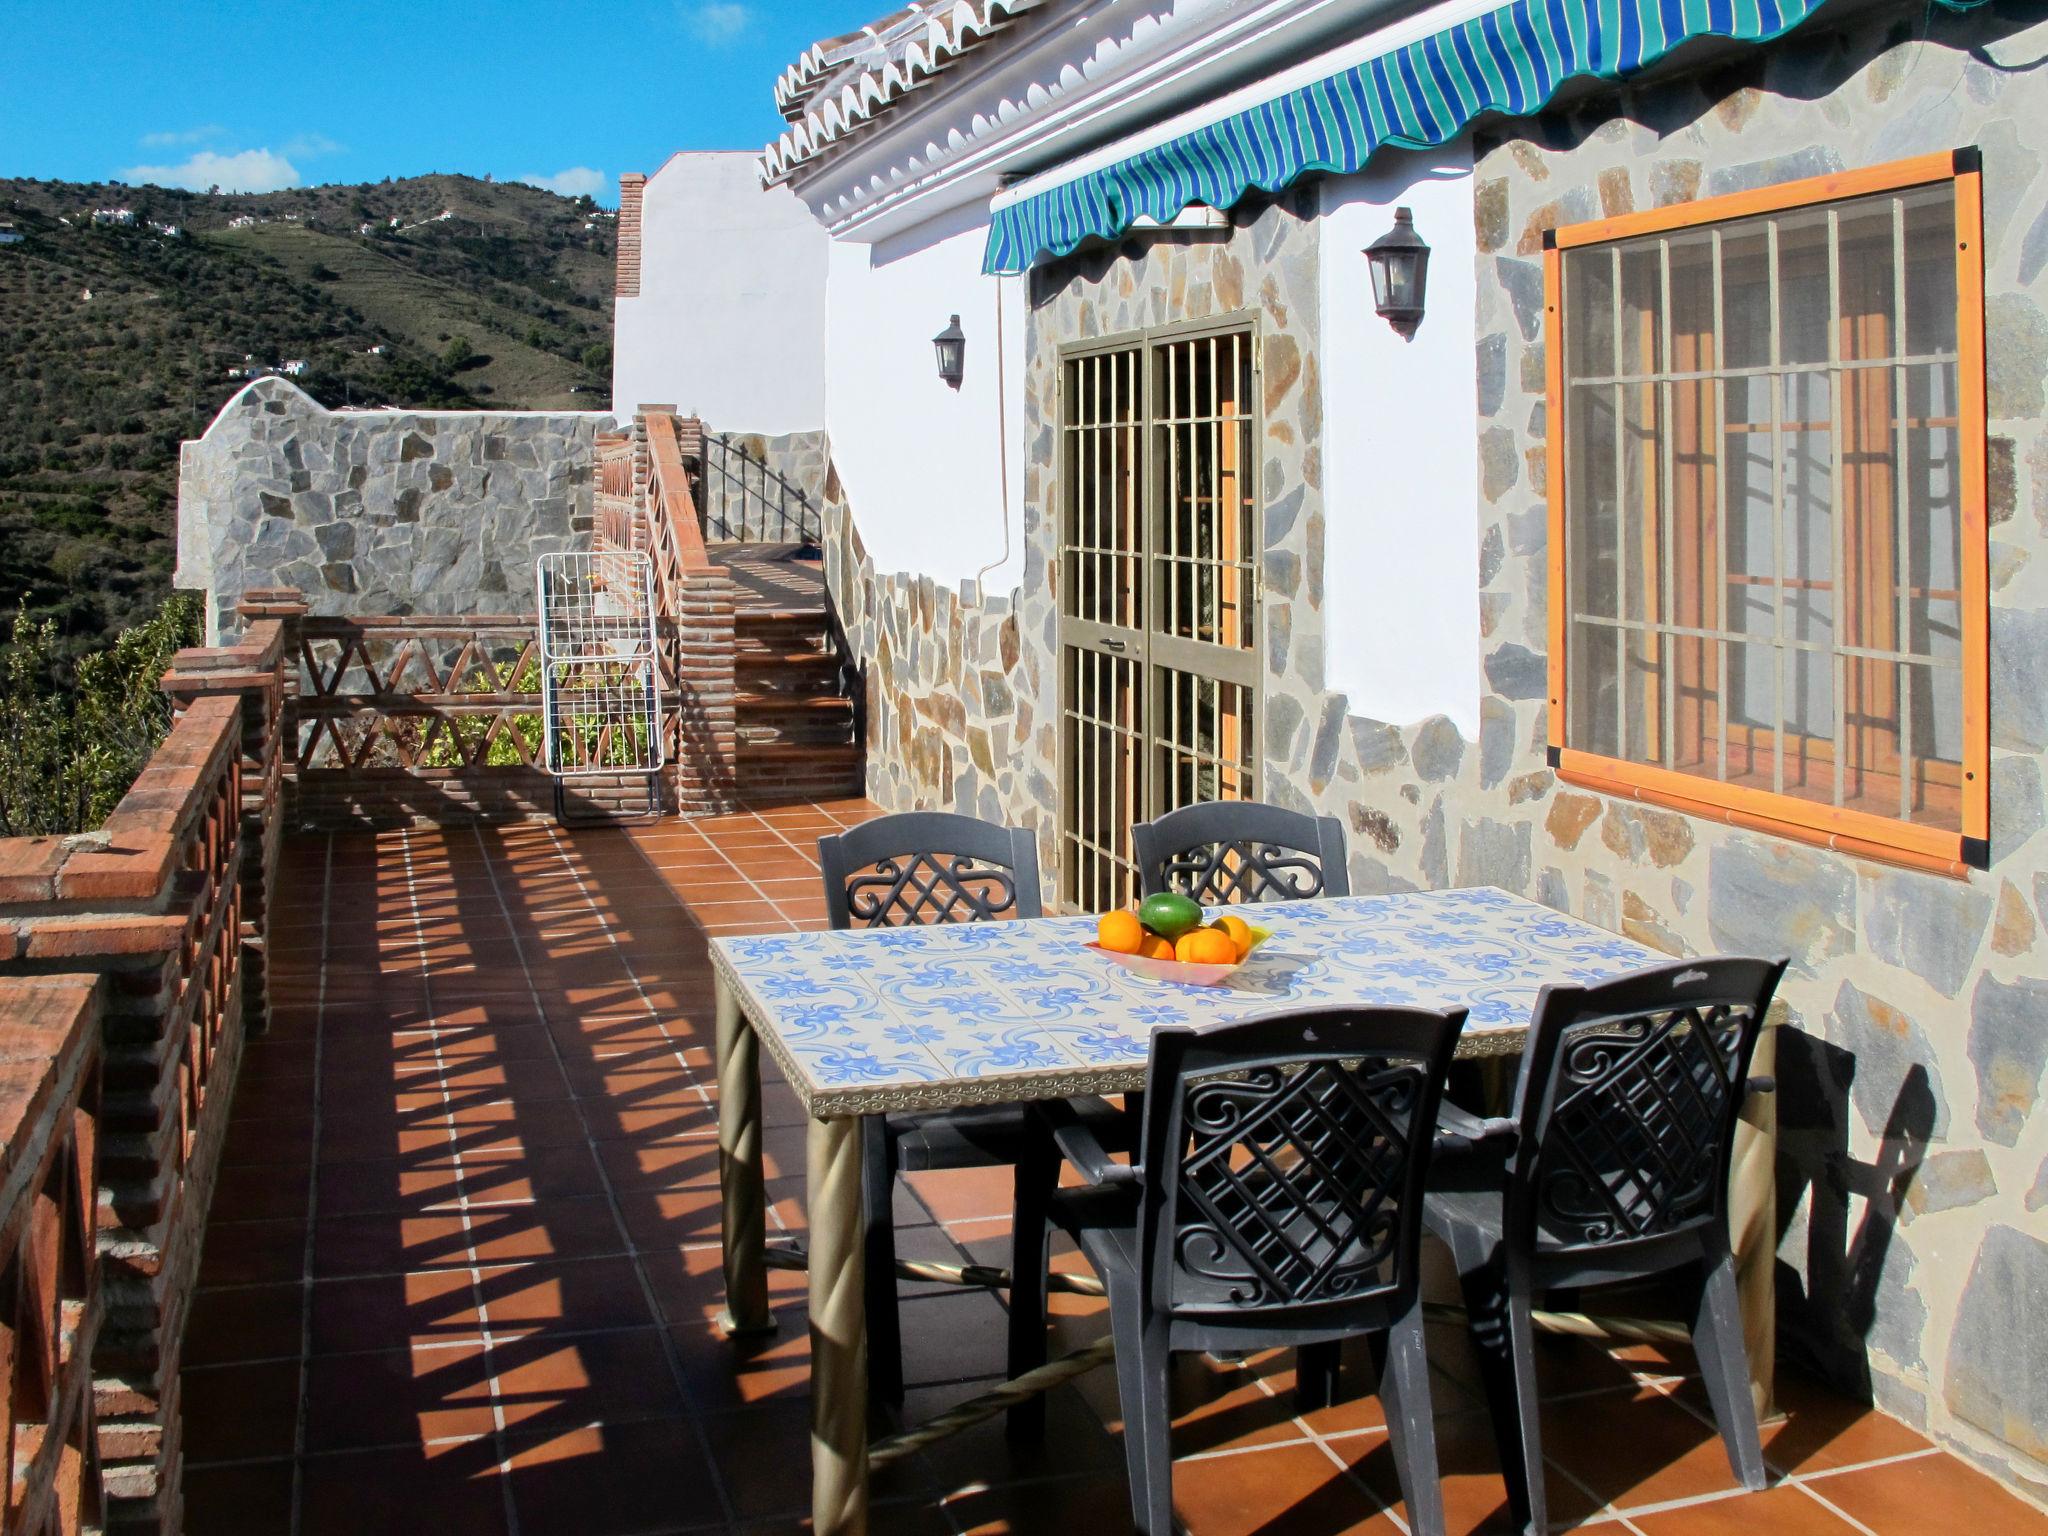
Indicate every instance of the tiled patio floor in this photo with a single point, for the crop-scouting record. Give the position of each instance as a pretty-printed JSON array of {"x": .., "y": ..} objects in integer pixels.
[{"x": 463, "y": 1265}]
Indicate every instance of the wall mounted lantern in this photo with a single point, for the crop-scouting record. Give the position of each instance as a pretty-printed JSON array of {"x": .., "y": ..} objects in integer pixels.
[
  {"x": 951, "y": 346},
  {"x": 1400, "y": 273}
]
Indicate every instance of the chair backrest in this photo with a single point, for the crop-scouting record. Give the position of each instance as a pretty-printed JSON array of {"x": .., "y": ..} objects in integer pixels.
[
  {"x": 928, "y": 867},
  {"x": 1284, "y": 1160},
  {"x": 1225, "y": 851},
  {"x": 1627, "y": 1104}
]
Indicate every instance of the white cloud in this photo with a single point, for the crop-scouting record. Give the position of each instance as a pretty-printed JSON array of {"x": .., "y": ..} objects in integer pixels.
[
  {"x": 181, "y": 136},
  {"x": 718, "y": 22},
  {"x": 576, "y": 181},
  {"x": 309, "y": 146},
  {"x": 252, "y": 170}
]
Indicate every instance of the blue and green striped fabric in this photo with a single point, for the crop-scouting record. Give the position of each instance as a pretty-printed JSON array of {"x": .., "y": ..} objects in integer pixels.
[{"x": 1508, "y": 60}]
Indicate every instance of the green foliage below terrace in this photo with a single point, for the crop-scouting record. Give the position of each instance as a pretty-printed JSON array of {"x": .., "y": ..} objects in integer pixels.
[
  {"x": 96, "y": 393},
  {"x": 76, "y": 729}
]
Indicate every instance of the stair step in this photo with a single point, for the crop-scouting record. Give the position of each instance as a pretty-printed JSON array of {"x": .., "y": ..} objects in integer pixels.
[
  {"x": 800, "y": 753},
  {"x": 757, "y": 615},
  {"x": 744, "y": 656},
  {"x": 777, "y": 703}
]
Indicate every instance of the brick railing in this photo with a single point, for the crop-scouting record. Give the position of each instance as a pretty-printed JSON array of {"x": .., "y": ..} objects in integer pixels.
[
  {"x": 169, "y": 903},
  {"x": 694, "y": 609},
  {"x": 49, "y": 1108}
]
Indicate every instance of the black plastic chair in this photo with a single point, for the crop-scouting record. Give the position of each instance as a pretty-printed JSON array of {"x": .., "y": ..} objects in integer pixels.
[
  {"x": 1277, "y": 1201},
  {"x": 1228, "y": 851},
  {"x": 1612, "y": 1167},
  {"x": 935, "y": 867}
]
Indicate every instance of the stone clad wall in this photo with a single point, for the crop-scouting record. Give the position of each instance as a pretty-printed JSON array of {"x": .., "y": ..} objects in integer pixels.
[
  {"x": 950, "y": 692},
  {"x": 379, "y": 512},
  {"x": 1914, "y": 1167}
]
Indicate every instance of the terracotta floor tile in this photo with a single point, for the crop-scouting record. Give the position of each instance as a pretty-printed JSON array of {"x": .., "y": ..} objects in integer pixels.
[
  {"x": 1074, "y": 1440},
  {"x": 1278, "y": 1489},
  {"x": 253, "y": 1252},
  {"x": 1632, "y": 1448},
  {"x": 373, "y": 1245},
  {"x": 376, "y": 1312},
  {"x": 1098, "y": 1505},
  {"x": 246, "y": 1322},
  {"x": 450, "y": 1489},
  {"x": 1905, "y": 1496},
  {"x": 1475, "y": 1497},
  {"x": 240, "y": 1412},
  {"x": 721, "y": 1374},
  {"x": 548, "y": 1379},
  {"x": 1820, "y": 1429},
  {"x": 257, "y": 1192},
  {"x": 568, "y": 1480},
  {"x": 397, "y": 1397},
  {"x": 236, "y": 1500},
  {"x": 965, "y": 1193},
  {"x": 762, "y": 1453},
  {"x": 553, "y": 1229},
  {"x": 566, "y": 1297},
  {"x": 1782, "y": 1511},
  {"x": 953, "y": 1336}
]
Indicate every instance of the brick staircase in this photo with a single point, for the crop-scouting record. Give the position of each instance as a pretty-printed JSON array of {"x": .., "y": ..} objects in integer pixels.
[{"x": 797, "y": 726}]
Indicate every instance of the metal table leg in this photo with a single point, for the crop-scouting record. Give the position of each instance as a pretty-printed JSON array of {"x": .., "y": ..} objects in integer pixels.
[
  {"x": 745, "y": 1214},
  {"x": 839, "y": 1349},
  {"x": 1753, "y": 1222}
]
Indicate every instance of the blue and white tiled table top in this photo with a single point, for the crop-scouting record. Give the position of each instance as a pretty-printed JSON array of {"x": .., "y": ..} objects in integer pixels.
[{"x": 867, "y": 1020}]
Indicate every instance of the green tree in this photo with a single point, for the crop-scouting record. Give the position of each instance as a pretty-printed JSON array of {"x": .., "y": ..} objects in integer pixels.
[
  {"x": 597, "y": 357},
  {"x": 456, "y": 353},
  {"x": 72, "y": 739}
]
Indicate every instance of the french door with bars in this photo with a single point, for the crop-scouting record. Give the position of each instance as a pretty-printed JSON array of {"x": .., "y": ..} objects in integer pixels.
[{"x": 1158, "y": 583}]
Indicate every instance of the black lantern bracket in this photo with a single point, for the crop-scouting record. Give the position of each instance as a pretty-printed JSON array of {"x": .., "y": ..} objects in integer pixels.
[
  {"x": 1400, "y": 274},
  {"x": 951, "y": 347}
]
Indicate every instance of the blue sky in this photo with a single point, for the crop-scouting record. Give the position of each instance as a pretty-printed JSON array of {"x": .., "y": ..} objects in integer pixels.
[{"x": 260, "y": 95}]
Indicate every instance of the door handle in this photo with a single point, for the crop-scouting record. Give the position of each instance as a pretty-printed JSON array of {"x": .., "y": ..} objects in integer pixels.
[{"x": 1112, "y": 645}]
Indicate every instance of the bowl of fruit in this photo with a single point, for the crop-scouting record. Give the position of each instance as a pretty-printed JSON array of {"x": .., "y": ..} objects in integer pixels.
[{"x": 1166, "y": 939}]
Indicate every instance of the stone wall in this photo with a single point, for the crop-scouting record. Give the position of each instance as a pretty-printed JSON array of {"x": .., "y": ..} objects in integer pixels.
[
  {"x": 1913, "y": 1177},
  {"x": 379, "y": 512},
  {"x": 1914, "y": 1169},
  {"x": 949, "y": 691}
]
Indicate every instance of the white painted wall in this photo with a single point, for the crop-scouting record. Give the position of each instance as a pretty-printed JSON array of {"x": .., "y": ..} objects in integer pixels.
[
  {"x": 922, "y": 464},
  {"x": 730, "y": 321},
  {"x": 1400, "y": 455}
]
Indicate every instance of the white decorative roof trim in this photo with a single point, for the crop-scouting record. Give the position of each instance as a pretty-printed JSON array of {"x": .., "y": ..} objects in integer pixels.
[{"x": 881, "y": 64}]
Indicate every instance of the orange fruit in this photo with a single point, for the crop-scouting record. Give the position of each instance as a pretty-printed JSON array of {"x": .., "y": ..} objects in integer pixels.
[
  {"x": 1205, "y": 946},
  {"x": 1153, "y": 947},
  {"x": 1239, "y": 930},
  {"x": 1119, "y": 932}
]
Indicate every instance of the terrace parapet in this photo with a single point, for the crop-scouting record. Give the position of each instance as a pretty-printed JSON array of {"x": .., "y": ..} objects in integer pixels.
[
  {"x": 49, "y": 1108},
  {"x": 164, "y": 911}
]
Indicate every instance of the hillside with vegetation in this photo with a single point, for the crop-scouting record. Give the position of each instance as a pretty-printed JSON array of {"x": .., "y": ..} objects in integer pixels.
[{"x": 121, "y": 339}]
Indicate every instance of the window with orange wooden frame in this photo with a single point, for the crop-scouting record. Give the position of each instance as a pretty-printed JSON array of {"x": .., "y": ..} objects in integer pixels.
[{"x": 1768, "y": 598}]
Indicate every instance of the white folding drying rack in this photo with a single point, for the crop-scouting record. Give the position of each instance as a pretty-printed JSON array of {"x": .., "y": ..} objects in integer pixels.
[{"x": 600, "y": 684}]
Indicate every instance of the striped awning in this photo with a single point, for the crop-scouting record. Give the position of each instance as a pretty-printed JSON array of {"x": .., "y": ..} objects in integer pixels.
[{"x": 1509, "y": 60}]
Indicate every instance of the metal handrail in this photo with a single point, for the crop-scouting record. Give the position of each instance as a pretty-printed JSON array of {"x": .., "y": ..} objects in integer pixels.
[{"x": 804, "y": 525}]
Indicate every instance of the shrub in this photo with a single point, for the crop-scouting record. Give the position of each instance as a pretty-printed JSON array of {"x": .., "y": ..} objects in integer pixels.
[{"x": 72, "y": 739}]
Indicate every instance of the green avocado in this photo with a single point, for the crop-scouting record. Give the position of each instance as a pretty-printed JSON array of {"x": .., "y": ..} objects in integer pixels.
[{"x": 1170, "y": 915}]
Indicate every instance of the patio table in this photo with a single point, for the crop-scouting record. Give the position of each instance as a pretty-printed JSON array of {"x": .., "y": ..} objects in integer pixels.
[{"x": 870, "y": 1021}]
